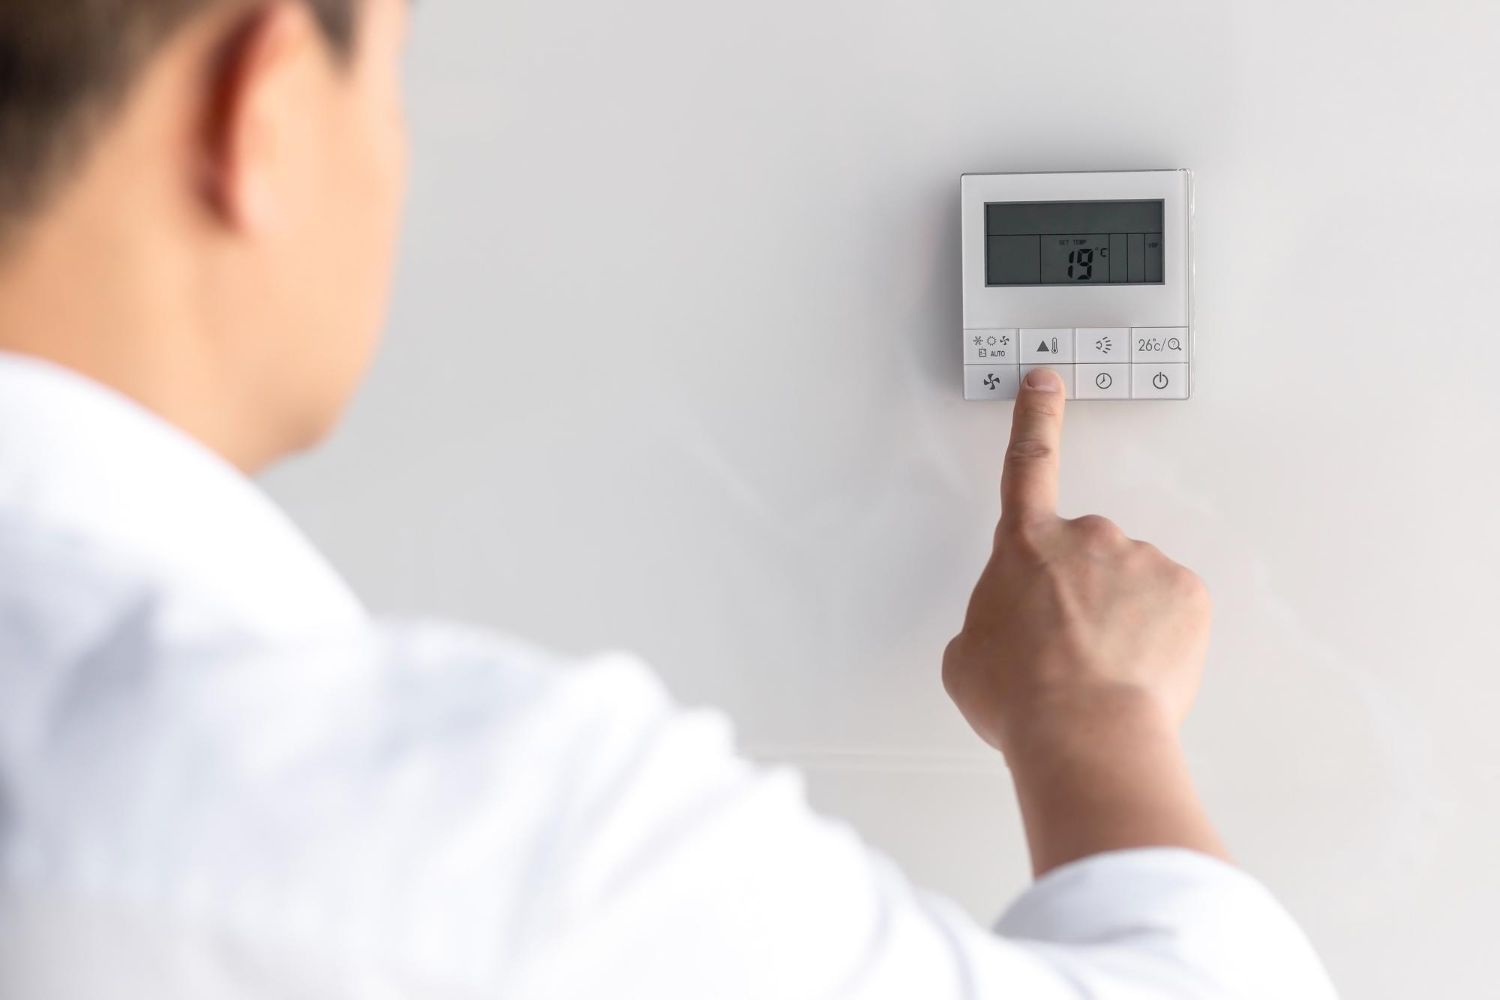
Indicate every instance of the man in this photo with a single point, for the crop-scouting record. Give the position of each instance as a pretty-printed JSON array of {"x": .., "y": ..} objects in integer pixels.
[{"x": 222, "y": 779}]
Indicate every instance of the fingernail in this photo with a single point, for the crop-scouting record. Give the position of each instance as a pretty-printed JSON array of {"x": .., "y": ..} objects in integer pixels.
[{"x": 1043, "y": 380}]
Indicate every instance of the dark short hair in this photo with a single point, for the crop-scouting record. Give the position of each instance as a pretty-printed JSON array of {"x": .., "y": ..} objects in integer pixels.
[{"x": 65, "y": 66}]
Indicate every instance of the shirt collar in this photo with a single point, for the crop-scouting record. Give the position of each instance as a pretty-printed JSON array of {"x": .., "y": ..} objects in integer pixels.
[{"x": 82, "y": 459}]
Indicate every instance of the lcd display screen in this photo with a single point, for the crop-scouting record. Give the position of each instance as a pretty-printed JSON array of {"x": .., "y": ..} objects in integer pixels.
[{"x": 1074, "y": 243}]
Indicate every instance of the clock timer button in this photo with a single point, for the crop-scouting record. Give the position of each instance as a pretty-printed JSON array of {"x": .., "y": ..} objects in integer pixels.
[
  {"x": 1154, "y": 381},
  {"x": 1103, "y": 381}
]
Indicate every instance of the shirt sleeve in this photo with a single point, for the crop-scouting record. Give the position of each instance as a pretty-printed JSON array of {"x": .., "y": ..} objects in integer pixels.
[
  {"x": 680, "y": 870},
  {"x": 1172, "y": 921}
]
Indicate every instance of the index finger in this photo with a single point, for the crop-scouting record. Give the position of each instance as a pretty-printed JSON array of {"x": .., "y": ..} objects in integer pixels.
[{"x": 1028, "y": 487}]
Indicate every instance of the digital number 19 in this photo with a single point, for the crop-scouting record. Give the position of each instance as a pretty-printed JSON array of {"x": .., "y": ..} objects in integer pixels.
[{"x": 1081, "y": 265}]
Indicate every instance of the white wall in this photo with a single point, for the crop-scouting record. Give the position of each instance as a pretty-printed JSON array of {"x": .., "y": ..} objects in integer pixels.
[{"x": 675, "y": 367}]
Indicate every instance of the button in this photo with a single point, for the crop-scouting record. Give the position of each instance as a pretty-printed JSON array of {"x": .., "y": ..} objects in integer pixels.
[
  {"x": 990, "y": 347},
  {"x": 1066, "y": 371},
  {"x": 1046, "y": 347},
  {"x": 991, "y": 381},
  {"x": 1157, "y": 344},
  {"x": 1103, "y": 381},
  {"x": 1151, "y": 381},
  {"x": 1102, "y": 345}
]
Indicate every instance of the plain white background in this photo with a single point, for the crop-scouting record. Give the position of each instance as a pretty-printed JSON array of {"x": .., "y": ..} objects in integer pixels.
[{"x": 675, "y": 367}]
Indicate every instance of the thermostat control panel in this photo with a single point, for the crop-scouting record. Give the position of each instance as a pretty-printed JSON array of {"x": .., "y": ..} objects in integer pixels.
[{"x": 1089, "y": 274}]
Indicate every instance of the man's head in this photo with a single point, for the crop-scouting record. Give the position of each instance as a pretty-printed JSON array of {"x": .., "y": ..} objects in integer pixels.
[{"x": 199, "y": 203}]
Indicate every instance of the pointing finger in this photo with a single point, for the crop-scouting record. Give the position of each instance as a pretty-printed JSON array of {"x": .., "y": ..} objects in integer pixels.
[{"x": 1028, "y": 489}]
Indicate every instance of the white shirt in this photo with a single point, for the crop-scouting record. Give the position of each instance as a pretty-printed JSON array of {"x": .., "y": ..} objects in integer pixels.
[{"x": 220, "y": 778}]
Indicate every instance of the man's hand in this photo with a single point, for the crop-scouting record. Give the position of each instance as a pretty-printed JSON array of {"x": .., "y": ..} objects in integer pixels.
[
  {"x": 1069, "y": 612},
  {"x": 1079, "y": 659}
]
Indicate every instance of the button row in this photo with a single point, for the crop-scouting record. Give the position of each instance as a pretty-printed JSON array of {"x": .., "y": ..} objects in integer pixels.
[
  {"x": 1090, "y": 345},
  {"x": 1109, "y": 381}
]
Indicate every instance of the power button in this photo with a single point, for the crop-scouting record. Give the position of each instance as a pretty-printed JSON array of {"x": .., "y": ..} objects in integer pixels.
[{"x": 1159, "y": 381}]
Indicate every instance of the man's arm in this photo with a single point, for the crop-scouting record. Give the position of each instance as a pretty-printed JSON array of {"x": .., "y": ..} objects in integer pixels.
[
  {"x": 1079, "y": 659},
  {"x": 1080, "y": 656},
  {"x": 677, "y": 870}
]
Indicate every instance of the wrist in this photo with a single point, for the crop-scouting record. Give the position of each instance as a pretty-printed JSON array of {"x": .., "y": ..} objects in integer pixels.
[
  {"x": 1083, "y": 722},
  {"x": 1101, "y": 771}
]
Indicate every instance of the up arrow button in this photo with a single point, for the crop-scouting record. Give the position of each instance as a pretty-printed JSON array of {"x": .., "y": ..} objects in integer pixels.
[{"x": 1047, "y": 347}]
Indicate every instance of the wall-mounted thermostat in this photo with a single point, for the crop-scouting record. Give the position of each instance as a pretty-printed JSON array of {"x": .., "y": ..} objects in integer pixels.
[{"x": 1089, "y": 274}]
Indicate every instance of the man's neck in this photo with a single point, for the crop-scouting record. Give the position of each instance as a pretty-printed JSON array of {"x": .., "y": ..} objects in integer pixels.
[{"x": 87, "y": 304}]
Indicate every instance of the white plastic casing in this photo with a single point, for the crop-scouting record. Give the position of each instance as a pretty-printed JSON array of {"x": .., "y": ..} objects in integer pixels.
[{"x": 1086, "y": 322}]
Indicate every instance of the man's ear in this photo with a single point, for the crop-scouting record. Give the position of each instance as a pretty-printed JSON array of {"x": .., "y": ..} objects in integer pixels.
[{"x": 260, "y": 85}]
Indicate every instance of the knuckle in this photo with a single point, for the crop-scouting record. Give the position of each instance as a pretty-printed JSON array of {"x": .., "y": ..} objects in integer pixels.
[
  {"x": 1190, "y": 586},
  {"x": 1045, "y": 405},
  {"x": 1097, "y": 531},
  {"x": 1180, "y": 584},
  {"x": 1149, "y": 555},
  {"x": 955, "y": 658},
  {"x": 1028, "y": 451}
]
